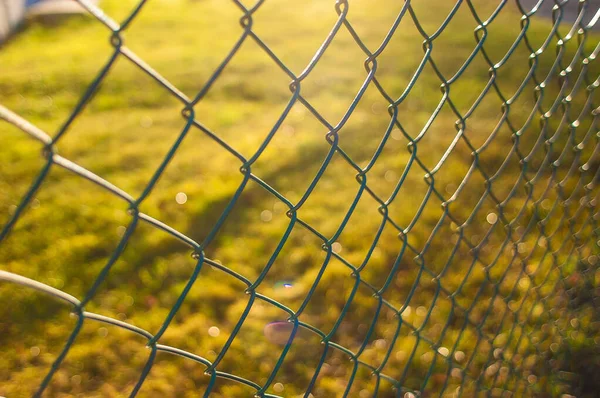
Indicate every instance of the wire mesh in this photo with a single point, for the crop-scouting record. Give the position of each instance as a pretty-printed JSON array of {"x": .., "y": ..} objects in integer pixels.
[{"x": 535, "y": 211}]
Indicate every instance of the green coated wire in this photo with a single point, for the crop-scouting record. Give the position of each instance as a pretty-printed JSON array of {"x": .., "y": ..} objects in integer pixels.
[{"x": 547, "y": 144}]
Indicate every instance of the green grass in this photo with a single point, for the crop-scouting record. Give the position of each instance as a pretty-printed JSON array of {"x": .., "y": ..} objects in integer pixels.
[{"x": 70, "y": 229}]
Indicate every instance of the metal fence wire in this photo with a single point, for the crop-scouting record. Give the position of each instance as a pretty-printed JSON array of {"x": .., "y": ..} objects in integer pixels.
[{"x": 537, "y": 250}]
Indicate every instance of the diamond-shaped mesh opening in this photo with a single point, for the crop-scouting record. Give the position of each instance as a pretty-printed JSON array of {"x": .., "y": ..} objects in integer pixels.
[
  {"x": 186, "y": 41},
  {"x": 339, "y": 364},
  {"x": 284, "y": 282},
  {"x": 208, "y": 317},
  {"x": 457, "y": 33},
  {"x": 152, "y": 260},
  {"x": 300, "y": 148},
  {"x": 116, "y": 358},
  {"x": 373, "y": 35},
  {"x": 370, "y": 107},
  {"x": 194, "y": 205},
  {"x": 260, "y": 88},
  {"x": 361, "y": 319},
  {"x": 116, "y": 135},
  {"x": 64, "y": 251},
  {"x": 267, "y": 323},
  {"x": 362, "y": 232},
  {"x": 41, "y": 324},
  {"x": 334, "y": 102},
  {"x": 253, "y": 205},
  {"x": 275, "y": 20},
  {"x": 47, "y": 95},
  {"x": 338, "y": 276},
  {"x": 301, "y": 361},
  {"x": 179, "y": 372},
  {"x": 365, "y": 383},
  {"x": 395, "y": 69}
]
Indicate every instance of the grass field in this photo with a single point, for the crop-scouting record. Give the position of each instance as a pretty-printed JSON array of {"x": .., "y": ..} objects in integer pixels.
[{"x": 523, "y": 314}]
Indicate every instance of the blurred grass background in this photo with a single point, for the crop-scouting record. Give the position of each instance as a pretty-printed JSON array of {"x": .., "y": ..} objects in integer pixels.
[{"x": 72, "y": 226}]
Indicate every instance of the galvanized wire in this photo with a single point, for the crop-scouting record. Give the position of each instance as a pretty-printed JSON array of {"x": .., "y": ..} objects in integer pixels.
[{"x": 552, "y": 145}]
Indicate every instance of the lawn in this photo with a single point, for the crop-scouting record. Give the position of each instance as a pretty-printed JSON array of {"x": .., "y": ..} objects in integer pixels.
[{"x": 462, "y": 257}]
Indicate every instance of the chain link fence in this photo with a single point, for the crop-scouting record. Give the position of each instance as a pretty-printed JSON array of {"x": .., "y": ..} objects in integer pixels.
[{"x": 491, "y": 296}]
